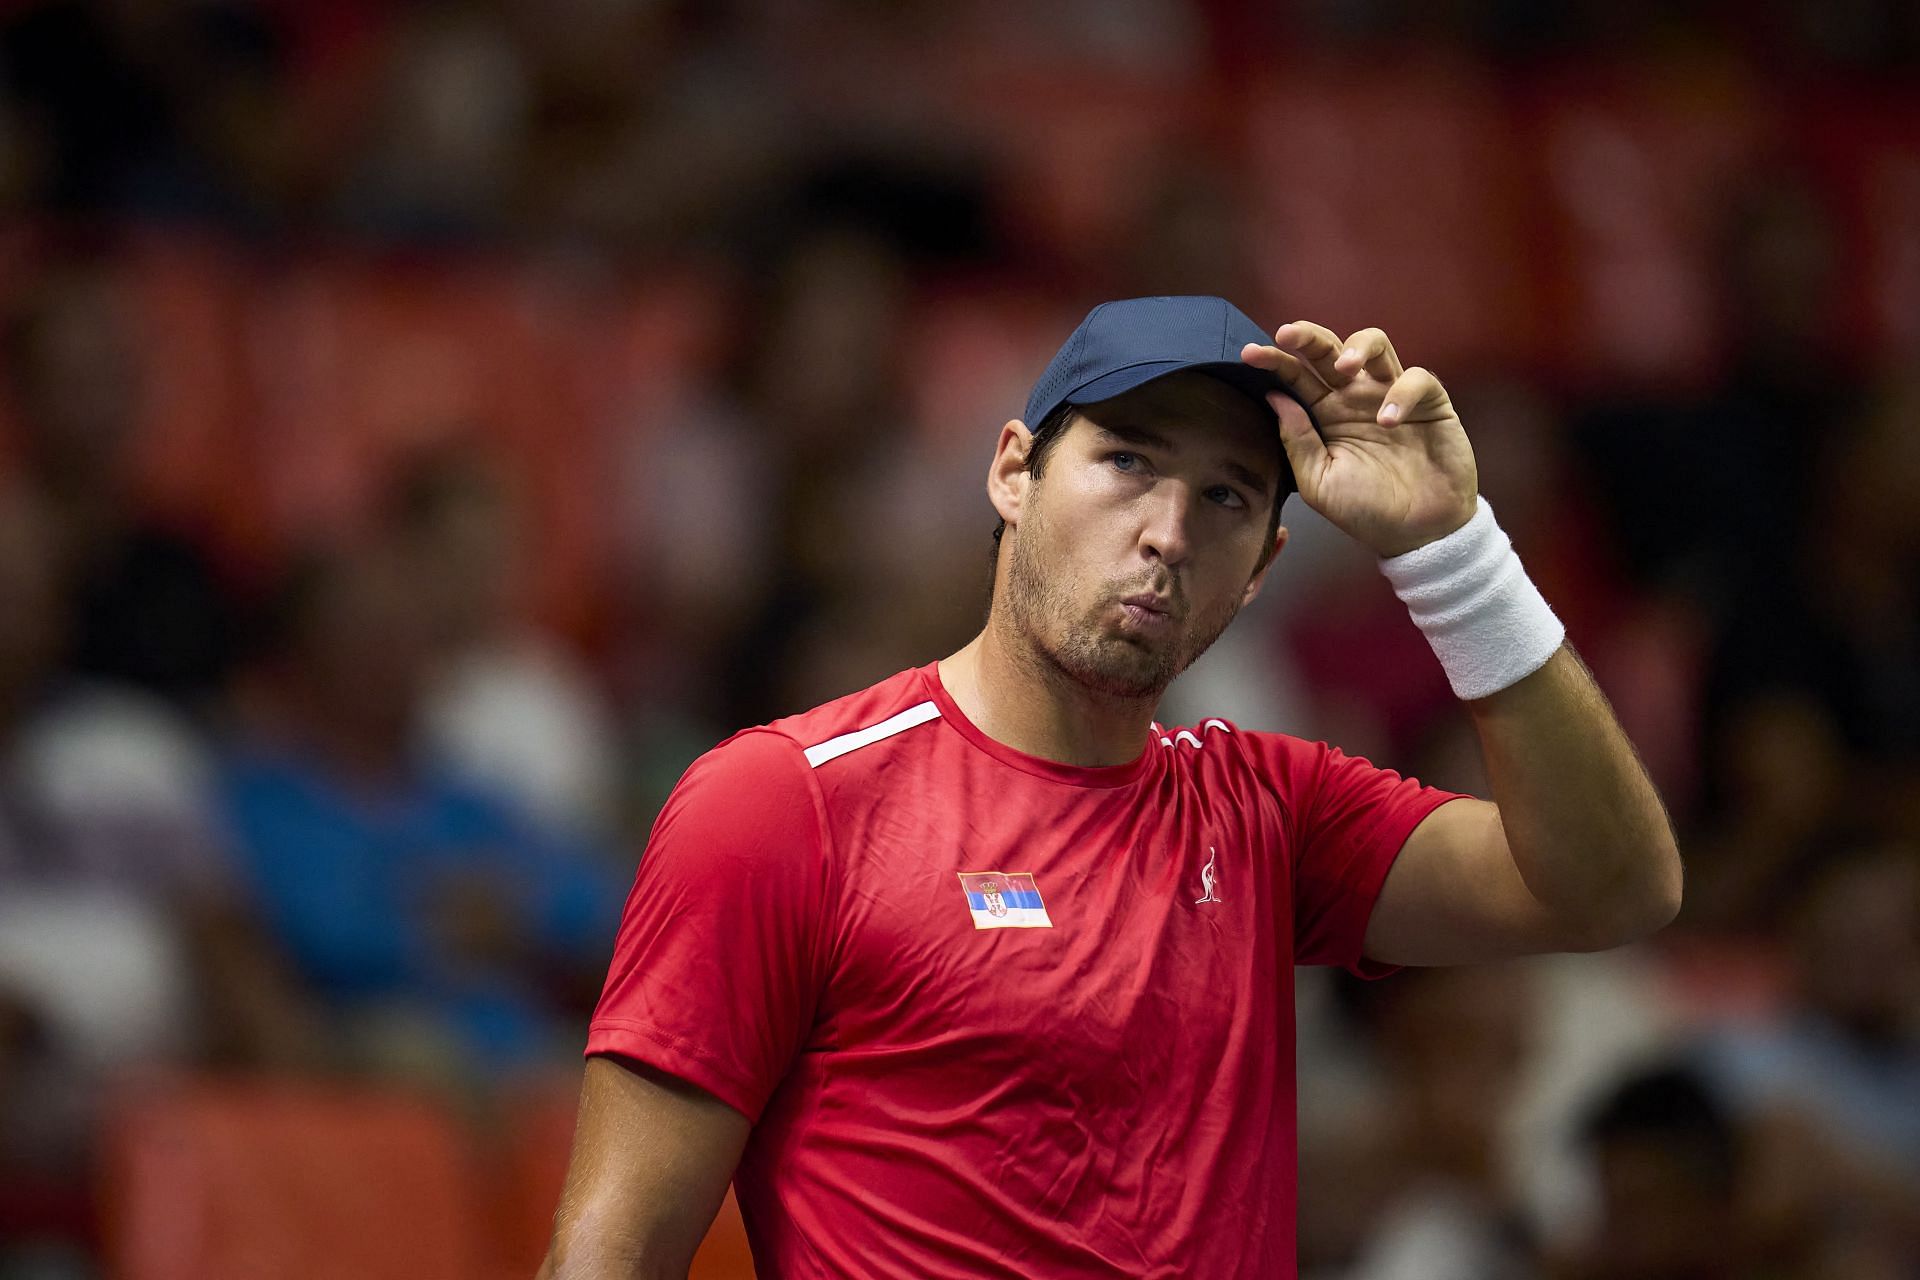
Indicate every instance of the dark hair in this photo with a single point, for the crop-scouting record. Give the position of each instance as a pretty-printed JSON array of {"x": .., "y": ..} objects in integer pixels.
[
  {"x": 1047, "y": 435},
  {"x": 1674, "y": 1107}
]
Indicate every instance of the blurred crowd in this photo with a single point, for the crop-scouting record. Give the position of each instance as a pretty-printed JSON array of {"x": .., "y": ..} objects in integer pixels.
[{"x": 428, "y": 427}]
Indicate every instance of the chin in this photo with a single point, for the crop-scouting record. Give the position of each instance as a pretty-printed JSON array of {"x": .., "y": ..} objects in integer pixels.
[
  {"x": 1126, "y": 666},
  {"x": 1118, "y": 667}
]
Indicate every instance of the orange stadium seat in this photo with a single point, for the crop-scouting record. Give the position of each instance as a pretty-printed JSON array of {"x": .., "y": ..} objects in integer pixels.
[
  {"x": 192, "y": 452},
  {"x": 290, "y": 1180},
  {"x": 370, "y": 360}
]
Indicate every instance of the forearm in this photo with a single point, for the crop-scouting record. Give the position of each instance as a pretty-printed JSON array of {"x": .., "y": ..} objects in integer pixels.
[
  {"x": 652, "y": 1156},
  {"x": 1583, "y": 822}
]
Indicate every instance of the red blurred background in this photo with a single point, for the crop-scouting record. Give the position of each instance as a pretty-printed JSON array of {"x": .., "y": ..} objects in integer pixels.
[{"x": 427, "y": 427}]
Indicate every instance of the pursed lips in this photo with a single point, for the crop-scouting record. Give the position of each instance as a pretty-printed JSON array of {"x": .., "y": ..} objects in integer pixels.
[{"x": 1149, "y": 603}]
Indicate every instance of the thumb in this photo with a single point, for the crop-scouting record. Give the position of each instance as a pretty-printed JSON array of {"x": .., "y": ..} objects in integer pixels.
[{"x": 1306, "y": 452}]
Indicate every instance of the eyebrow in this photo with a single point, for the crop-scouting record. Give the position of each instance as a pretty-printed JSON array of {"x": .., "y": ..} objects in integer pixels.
[
  {"x": 1125, "y": 434},
  {"x": 1134, "y": 435}
]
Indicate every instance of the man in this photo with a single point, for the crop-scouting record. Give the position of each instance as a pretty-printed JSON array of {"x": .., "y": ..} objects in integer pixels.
[
  {"x": 1672, "y": 1170},
  {"x": 145, "y": 604},
  {"x": 434, "y": 922},
  {"x": 810, "y": 986}
]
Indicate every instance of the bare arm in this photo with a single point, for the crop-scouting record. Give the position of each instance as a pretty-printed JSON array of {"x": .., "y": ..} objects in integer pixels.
[
  {"x": 652, "y": 1156},
  {"x": 1574, "y": 854}
]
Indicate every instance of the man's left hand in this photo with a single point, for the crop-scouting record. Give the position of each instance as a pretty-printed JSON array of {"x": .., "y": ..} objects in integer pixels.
[{"x": 1390, "y": 464}]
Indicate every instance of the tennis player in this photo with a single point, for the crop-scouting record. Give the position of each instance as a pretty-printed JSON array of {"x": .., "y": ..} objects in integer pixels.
[{"x": 982, "y": 972}]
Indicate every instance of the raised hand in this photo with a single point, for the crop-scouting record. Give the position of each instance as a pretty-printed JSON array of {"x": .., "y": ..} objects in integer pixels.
[{"x": 1390, "y": 464}]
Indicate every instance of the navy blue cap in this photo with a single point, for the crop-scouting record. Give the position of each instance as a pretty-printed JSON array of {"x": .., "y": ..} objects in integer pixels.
[{"x": 1126, "y": 344}]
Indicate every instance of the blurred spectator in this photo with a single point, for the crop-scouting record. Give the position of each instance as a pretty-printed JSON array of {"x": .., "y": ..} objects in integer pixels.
[
  {"x": 123, "y": 940},
  {"x": 644, "y": 131},
  {"x": 847, "y": 602},
  {"x": 1453, "y": 1044},
  {"x": 696, "y": 512},
  {"x": 508, "y": 706},
  {"x": 759, "y": 569},
  {"x": 1832, "y": 1089},
  {"x": 99, "y": 115},
  {"x": 1733, "y": 461},
  {"x": 148, "y": 607},
  {"x": 441, "y": 149},
  {"x": 1669, "y": 1165},
  {"x": 1813, "y": 713},
  {"x": 174, "y": 109},
  {"x": 445, "y": 931}
]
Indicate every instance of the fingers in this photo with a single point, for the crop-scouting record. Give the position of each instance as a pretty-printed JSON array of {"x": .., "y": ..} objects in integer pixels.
[
  {"x": 1299, "y": 376},
  {"x": 1306, "y": 452},
  {"x": 1314, "y": 363},
  {"x": 1369, "y": 351},
  {"x": 1414, "y": 396},
  {"x": 1315, "y": 345},
  {"x": 1336, "y": 363}
]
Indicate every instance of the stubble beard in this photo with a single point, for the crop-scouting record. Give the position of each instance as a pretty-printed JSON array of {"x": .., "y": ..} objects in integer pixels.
[{"x": 1085, "y": 649}]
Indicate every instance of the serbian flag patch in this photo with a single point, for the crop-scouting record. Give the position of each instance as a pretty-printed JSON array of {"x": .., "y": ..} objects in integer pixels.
[{"x": 1004, "y": 900}]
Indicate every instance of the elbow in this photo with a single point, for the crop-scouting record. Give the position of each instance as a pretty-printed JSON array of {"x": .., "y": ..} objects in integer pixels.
[
  {"x": 1641, "y": 908},
  {"x": 1658, "y": 908}
]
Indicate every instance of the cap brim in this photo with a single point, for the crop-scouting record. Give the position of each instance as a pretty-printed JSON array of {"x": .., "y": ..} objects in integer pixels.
[{"x": 1250, "y": 380}]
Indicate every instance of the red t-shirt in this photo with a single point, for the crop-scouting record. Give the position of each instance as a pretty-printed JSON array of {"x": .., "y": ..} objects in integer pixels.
[{"x": 993, "y": 1015}]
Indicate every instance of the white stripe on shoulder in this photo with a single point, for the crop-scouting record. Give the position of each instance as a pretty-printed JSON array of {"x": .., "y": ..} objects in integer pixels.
[{"x": 833, "y": 747}]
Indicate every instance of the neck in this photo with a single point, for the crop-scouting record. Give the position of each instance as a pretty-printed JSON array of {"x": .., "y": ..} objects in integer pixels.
[{"x": 1018, "y": 697}]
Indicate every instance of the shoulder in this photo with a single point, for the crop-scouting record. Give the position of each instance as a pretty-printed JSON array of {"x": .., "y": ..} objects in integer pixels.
[
  {"x": 1221, "y": 744},
  {"x": 756, "y": 772},
  {"x": 771, "y": 764},
  {"x": 1301, "y": 775},
  {"x": 843, "y": 727}
]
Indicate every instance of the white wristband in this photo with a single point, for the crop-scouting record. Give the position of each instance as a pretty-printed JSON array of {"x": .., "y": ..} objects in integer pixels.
[{"x": 1488, "y": 624}]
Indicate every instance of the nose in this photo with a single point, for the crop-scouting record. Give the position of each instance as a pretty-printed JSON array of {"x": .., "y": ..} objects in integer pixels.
[{"x": 1166, "y": 525}]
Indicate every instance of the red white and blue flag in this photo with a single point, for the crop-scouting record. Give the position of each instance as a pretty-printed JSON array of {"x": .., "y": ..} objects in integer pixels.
[{"x": 1004, "y": 900}]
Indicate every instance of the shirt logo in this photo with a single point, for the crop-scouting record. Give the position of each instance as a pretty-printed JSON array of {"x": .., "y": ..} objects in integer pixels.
[
  {"x": 1209, "y": 880},
  {"x": 1004, "y": 900}
]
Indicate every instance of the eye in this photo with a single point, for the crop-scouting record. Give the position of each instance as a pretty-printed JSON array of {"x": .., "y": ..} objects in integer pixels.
[
  {"x": 1226, "y": 497},
  {"x": 1125, "y": 461}
]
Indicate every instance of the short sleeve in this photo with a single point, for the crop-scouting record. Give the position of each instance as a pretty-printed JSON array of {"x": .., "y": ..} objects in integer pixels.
[
  {"x": 1349, "y": 821},
  {"x": 718, "y": 964}
]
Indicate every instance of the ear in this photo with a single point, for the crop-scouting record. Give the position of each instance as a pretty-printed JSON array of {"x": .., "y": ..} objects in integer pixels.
[
  {"x": 1007, "y": 477},
  {"x": 1253, "y": 587}
]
